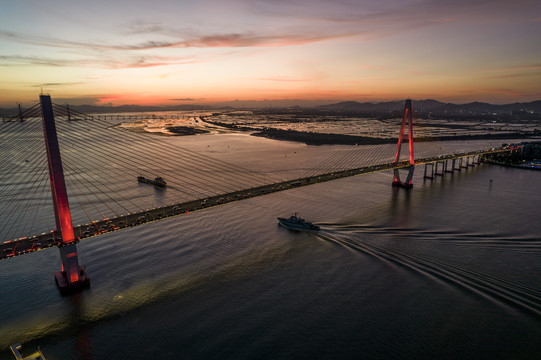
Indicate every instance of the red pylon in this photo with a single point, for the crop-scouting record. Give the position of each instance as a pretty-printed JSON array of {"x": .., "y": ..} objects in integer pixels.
[
  {"x": 408, "y": 116},
  {"x": 72, "y": 277}
]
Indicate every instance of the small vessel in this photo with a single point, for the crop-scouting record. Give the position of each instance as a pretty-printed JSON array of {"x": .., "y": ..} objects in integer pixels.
[
  {"x": 16, "y": 350},
  {"x": 296, "y": 223},
  {"x": 158, "y": 181}
]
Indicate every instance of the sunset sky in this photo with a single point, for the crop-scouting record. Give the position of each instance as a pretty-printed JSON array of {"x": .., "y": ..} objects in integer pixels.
[{"x": 183, "y": 52}]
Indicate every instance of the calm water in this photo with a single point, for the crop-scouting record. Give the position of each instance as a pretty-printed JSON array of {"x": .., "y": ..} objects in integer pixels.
[{"x": 449, "y": 270}]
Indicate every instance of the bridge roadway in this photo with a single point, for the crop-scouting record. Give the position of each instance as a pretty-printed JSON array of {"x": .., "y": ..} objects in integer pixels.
[{"x": 27, "y": 245}]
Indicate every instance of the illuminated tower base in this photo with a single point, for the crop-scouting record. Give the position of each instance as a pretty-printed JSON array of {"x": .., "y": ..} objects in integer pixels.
[
  {"x": 406, "y": 184},
  {"x": 75, "y": 277},
  {"x": 408, "y": 116},
  {"x": 72, "y": 277}
]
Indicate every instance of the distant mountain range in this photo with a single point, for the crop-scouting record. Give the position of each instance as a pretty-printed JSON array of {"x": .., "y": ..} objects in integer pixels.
[
  {"x": 425, "y": 108},
  {"x": 95, "y": 109}
]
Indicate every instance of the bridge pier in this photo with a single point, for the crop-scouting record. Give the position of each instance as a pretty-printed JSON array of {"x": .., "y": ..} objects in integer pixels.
[
  {"x": 406, "y": 184},
  {"x": 452, "y": 166},
  {"x": 72, "y": 277},
  {"x": 442, "y": 168},
  {"x": 431, "y": 176}
]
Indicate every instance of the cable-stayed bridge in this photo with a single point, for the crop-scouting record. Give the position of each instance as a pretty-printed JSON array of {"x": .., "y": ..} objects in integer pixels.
[{"x": 101, "y": 162}]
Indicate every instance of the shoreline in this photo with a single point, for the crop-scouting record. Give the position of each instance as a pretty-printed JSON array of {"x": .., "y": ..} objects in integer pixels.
[
  {"x": 314, "y": 138},
  {"x": 310, "y": 138}
]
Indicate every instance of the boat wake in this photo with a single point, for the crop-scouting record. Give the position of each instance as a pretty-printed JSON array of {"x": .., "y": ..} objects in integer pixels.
[
  {"x": 514, "y": 243},
  {"x": 524, "y": 298}
]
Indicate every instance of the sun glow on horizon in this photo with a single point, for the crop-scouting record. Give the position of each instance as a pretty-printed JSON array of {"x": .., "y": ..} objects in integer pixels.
[{"x": 172, "y": 53}]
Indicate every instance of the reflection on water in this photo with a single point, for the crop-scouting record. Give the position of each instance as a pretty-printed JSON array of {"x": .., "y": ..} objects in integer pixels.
[{"x": 449, "y": 269}]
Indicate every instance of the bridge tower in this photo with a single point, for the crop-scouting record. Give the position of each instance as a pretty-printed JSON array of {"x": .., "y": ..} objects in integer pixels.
[
  {"x": 72, "y": 277},
  {"x": 407, "y": 117}
]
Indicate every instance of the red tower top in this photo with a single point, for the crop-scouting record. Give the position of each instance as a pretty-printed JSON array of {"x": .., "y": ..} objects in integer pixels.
[
  {"x": 408, "y": 116},
  {"x": 73, "y": 277},
  {"x": 56, "y": 173}
]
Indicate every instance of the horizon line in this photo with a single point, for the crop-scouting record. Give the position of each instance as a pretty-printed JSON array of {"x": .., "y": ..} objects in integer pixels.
[{"x": 188, "y": 102}]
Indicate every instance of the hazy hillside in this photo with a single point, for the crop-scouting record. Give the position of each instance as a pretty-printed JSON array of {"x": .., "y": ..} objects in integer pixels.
[{"x": 425, "y": 108}]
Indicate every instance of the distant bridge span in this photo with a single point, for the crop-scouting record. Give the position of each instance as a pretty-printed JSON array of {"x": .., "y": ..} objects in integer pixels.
[{"x": 27, "y": 245}]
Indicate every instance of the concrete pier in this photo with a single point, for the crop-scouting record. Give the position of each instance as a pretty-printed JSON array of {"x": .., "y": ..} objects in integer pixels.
[
  {"x": 431, "y": 174},
  {"x": 452, "y": 166},
  {"x": 436, "y": 168}
]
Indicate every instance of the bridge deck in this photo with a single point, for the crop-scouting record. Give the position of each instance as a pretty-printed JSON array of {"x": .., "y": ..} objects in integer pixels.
[{"x": 30, "y": 244}]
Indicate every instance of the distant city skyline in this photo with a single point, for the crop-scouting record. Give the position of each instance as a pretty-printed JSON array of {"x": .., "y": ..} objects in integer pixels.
[{"x": 178, "y": 52}]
